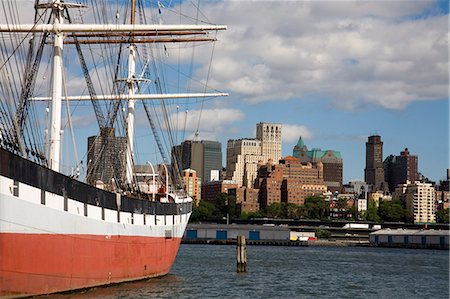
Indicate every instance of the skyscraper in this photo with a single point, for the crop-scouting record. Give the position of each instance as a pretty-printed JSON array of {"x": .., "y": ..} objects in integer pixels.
[
  {"x": 202, "y": 156},
  {"x": 212, "y": 158},
  {"x": 106, "y": 157},
  {"x": 374, "y": 171},
  {"x": 270, "y": 136},
  {"x": 243, "y": 155},
  {"x": 399, "y": 169}
]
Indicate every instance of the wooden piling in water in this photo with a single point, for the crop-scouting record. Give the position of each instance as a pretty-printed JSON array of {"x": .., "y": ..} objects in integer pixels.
[{"x": 241, "y": 254}]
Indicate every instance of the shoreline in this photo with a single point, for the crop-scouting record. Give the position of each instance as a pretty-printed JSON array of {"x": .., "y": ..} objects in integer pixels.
[{"x": 316, "y": 243}]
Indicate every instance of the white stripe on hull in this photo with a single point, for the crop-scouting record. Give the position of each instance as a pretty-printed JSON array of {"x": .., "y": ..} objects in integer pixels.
[{"x": 20, "y": 215}]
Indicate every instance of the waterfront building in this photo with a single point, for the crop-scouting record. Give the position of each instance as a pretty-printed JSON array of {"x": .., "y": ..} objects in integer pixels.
[
  {"x": 211, "y": 189},
  {"x": 331, "y": 160},
  {"x": 399, "y": 169},
  {"x": 192, "y": 184},
  {"x": 246, "y": 199},
  {"x": 106, "y": 158},
  {"x": 205, "y": 157},
  {"x": 243, "y": 155},
  {"x": 410, "y": 238},
  {"x": 223, "y": 232},
  {"x": 374, "y": 171},
  {"x": 290, "y": 181},
  {"x": 420, "y": 200}
]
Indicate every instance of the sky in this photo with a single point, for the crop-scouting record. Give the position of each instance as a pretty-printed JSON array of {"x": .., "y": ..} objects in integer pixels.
[
  {"x": 333, "y": 72},
  {"x": 336, "y": 72}
]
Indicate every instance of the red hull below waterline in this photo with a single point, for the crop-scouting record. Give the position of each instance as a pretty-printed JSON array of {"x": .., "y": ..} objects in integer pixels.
[{"x": 48, "y": 263}]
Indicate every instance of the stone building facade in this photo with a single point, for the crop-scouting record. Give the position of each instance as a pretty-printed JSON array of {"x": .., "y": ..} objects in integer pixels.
[
  {"x": 420, "y": 199},
  {"x": 399, "y": 169},
  {"x": 331, "y": 160},
  {"x": 290, "y": 181},
  {"x": 243, "y": 155},
  {"x": 374, "y": 171}
]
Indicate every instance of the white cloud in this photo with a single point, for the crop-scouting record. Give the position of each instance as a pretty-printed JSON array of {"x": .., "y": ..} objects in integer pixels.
[
  {"x": 351, "y": 51},
  {"x": 291, "y": 133},
  {"x": 212, "y": 121}
]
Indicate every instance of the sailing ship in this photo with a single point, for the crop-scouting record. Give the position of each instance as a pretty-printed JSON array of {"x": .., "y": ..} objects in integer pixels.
[{"x": 61, "y": 231}]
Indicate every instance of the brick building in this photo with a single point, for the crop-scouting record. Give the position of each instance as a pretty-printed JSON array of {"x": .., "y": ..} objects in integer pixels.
[
  {"x": 290, "y": 181},
  {"x": 374, "y": 171},
  {"x": 211, "y": 189},
  {"x": 246, "y": 199},
  {"x": 192, "y": 184},
  {"x": 399, "y": 169},
  {"x": 243, "y": 154},
  {"x": 331, "y": 161}
]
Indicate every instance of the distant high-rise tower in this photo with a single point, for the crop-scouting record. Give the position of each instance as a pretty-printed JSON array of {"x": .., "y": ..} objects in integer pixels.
[
  {"x": 400, "y": 169},
  {"x": 374, "y": 171},
  {"x": 243, "y": 155},
  {"x": 106, "y": 157},
  {"x": 202, "y": 156},
  {"x": 270, "y": 136}
]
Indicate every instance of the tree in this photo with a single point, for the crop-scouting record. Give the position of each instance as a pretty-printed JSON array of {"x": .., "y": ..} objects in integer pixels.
[
  {"x": 203, "y": 211},
  {"x": 316, "y": 207},
  {"x": 442, "y": 216},
  {"x": 250, "y": 215},
  {"x": 393, "y": 211},
  {"x": 322, "y": 233},
  {"x": 225, "y": 204},
  {"x": 275, "y": 210},
  {"x": 372, "y": 212}
]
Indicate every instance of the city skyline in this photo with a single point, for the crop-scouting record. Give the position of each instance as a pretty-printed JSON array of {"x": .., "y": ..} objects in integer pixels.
[{"x": 333, "y": 72}]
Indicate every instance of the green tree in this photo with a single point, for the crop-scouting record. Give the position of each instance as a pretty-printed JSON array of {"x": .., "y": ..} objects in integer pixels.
[
  {"x": 442, "y": 216},
  {"x": 372, "y": 212},
  {"x": 293, "y": 211},
  {"x": 250, "y": 215},
  {"x": 342, "y": 204},
  {"x": 316, "y": 207},
  {"x": 225, "y": 204},
  {"x": 202, "y": 212},
  {"x": 323, "y": 233},
  {"x": 393, "y": 211},
  {"x": 275, "y": 210}
]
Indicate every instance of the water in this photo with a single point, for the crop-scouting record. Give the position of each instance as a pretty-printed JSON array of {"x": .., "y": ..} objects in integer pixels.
[{"x": 209, "y": 271}]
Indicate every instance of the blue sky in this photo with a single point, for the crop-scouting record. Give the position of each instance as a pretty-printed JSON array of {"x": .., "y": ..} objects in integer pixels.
[
  {"x": 337, "y": 72},
  {"x": 333, "y": 72}
]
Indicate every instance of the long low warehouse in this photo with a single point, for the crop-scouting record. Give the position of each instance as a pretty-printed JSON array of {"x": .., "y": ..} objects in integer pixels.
[
  {"x": 227, "y": 232},
  {"x": 410, "y": 238}
]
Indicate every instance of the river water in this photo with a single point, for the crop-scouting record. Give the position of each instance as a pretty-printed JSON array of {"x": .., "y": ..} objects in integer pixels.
[{"x": 209, "y": 271}]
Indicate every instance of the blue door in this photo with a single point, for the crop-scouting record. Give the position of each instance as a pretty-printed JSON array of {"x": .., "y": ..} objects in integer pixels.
[
  {"x": 424, "y": 240},
  {"x": 254, "y": 235},
  {"x": 221, "y": 234},
  {"x": 191, "y": 234}
]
